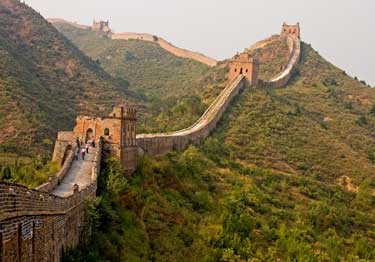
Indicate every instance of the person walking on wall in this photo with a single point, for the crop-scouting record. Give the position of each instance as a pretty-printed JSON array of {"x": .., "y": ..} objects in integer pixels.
[
  {"x": 78, "y": 143},
  {"x": 87, "y": 148},
  {"x": 83, "y": 153}
]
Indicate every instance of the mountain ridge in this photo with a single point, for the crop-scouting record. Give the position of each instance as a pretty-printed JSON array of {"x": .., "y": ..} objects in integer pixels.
[{"x": 180, "y": 52}]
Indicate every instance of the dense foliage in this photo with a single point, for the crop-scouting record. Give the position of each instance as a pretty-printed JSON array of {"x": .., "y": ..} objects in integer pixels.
[
  {"x": 320, "y": 125},
  {"x": 201, "y": 205},
  {"x": 30, "y": 172}
]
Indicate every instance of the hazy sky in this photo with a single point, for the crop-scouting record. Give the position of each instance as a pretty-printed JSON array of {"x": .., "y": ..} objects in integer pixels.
[{"x": 343, "y": 31}]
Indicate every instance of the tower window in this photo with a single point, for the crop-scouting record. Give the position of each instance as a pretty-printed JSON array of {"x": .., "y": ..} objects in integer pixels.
[{"x": 106, "y": 132}]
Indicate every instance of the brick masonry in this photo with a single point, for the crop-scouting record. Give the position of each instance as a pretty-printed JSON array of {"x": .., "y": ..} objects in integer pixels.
[{"x": 38, "y": 226}]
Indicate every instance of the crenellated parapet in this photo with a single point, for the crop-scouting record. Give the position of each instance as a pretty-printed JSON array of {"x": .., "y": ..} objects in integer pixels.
[{"x": 37, "y": 226}]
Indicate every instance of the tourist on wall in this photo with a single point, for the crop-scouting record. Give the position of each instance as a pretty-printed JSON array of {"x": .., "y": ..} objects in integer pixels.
[
  {"x": 78, "y": 143},
  {"x": 83, "y": 153}
]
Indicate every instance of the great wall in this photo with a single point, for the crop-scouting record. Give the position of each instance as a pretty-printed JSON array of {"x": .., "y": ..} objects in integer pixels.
[
  {"x": 38, "y": 224},
  {"x": 167, "y": 46},
  {"x": 180, "y": 52}
]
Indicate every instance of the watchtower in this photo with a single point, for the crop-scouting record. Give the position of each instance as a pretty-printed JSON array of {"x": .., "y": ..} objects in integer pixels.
[
  {"x": 118, "y": 132},
  {"x": 244, "y": 64},
  {"x": 291, "y": 30},
  {"x": 101, "y": 26}
]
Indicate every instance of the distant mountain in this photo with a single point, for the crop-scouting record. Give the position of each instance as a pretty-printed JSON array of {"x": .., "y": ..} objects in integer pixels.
[{"x": 45, "y": 81}]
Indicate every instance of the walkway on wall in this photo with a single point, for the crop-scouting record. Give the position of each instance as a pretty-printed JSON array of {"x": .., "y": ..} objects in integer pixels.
[
  {"x": 293, "y": 59},
  {"x": 79, "y": 173}
]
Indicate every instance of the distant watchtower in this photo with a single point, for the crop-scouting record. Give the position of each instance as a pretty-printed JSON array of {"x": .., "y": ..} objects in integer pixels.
[
  {"x": 101, "y": 26},
  {"x": 291, "y": 30},
  {"x": 244, "y": 64}
]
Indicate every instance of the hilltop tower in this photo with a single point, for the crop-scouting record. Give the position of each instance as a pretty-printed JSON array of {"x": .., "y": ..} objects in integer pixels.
[
  {"x": 101, "y": 26},
  {"x": 244, "y": 64},
  {"x": 291, "y": 30}
]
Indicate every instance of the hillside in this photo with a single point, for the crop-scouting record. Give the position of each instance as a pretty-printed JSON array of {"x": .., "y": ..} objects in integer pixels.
[
  {"x": 287, "y": 176},
  {"x": 172, "y": 86},
  {"x": 321, "y": 125},
  {"x": 44, "y": 82},
  {"x": 150, "y": 69},
  {"x": 178, "y": 90}
]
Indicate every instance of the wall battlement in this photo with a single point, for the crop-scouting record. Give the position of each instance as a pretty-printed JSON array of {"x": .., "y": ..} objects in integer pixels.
[
  {"x": 37, "y": 226},
  {"x": 243, "y": 64}
]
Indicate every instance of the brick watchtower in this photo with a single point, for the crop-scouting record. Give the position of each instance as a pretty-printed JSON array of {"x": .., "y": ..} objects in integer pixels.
[
  {"x": 291, "y": 30},
  {"x": 244, "y": 64},
  {"x": 117, "y": 130}
]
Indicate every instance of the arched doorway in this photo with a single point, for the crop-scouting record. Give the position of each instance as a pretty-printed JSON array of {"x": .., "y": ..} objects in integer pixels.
[
  {"x": 89, "y": 135},
  {"x": 241, "y": 71}
]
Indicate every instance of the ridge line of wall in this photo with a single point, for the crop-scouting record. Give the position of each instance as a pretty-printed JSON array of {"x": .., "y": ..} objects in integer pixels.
[
  {"x": 177, "y": 51},
  {"x": 161, "y": 143}
]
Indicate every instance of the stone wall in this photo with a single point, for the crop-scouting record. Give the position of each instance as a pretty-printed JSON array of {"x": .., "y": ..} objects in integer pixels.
[
  {"x": 167, "y": 46},
  {"x": 67, "y": 161},
  {"x": 282, "y": 79},
  {"x": 37, "y": 226},
  {"x": 159, "y": 144}
]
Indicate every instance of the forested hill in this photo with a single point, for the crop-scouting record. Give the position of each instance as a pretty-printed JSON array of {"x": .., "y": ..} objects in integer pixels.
[
  {"x": 149, "y": 68},
  {"x": 287, "y": 176},
  {"x": 45, "y": 81}
]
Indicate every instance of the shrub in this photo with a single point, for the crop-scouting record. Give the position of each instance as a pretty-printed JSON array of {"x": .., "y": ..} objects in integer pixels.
[{"x": 362, "y": 121}]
